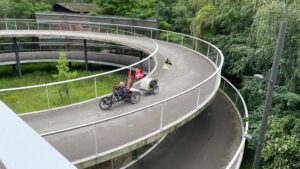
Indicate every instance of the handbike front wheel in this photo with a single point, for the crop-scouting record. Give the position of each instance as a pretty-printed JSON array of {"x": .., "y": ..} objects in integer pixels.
[{"x": 105, "y": 103}]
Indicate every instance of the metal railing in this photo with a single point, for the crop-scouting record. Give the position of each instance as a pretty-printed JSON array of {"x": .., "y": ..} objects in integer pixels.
[
  {"x": 198, "y": 95},
  {"x": 47, "y": 95},
  {"x": 64, "y": 46},
  {"x": 237, "y": 99}
]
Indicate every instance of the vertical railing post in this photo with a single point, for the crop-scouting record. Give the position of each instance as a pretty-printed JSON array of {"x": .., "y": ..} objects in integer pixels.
[
  {"x": 96, "y": 140},
  {"x": 236, "y": 98},
  {"x": 198, "y": 98},
  {"x": 149, "y": 66},
  {"x": 117, "y": 30},
  {"x": 182, "y": 40},
  {"x": 217, "y": 59},
  {"x": 167, "y": 36},
  {"x": 27, "y": 25},
  {"x": 161, "y": 116},
  {"x": 208, "y": 51},
  {"x": 151, "y": 34},
  {"x": 6, "y": 27},
  {"x": 95, "y": 84},
  {"x": 16, "y": 25},
  {"x": 47, "y": 95},
  {"x": 196, "y": 45}
]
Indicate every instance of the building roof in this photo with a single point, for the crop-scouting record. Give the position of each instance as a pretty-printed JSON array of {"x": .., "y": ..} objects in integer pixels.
[
  {"x": 78, "y": 7},
  {"x": 22, "y": 147}
]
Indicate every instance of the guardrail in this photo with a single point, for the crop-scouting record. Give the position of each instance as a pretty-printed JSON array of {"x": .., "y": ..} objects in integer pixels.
[
  {"x": 198, "y": 98},
  {"x": 237, "y": 99},
  {"x": 64, "y": 45}
]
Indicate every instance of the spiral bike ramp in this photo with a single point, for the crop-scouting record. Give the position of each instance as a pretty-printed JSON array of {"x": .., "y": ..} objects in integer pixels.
[{"x": 86, "y": 135}]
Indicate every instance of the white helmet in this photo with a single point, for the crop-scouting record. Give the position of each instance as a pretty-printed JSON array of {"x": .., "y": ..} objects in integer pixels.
[{"x": 122, "y": 83}]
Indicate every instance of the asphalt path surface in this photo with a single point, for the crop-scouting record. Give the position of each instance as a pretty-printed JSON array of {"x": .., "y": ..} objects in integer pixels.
[{"x": 189, "y": 68}]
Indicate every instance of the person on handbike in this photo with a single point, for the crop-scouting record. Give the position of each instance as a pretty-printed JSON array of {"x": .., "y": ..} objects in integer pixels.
[{"x": 121, "y": 89}]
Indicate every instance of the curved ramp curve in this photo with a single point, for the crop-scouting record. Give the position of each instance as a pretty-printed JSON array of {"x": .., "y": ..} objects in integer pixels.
[
  {"x": 189, "y": 69},
  {"x": 208, "y": 141}
]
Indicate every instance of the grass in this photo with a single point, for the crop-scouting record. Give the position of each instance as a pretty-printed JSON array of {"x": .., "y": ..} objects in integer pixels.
[{"x": 29, "y": 100}]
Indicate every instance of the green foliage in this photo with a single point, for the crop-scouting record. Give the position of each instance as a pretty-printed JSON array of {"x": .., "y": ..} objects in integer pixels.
[
  {"x": 63, "y": 68},
  {"x": 115, "y": 7},
  {"x": 64, "y": 74},
  {"x": 204, "y": 21},
  {"x": 22, "y": 8}
]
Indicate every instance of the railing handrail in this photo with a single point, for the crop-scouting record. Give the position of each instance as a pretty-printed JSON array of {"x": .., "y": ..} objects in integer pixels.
[
  {"x": 109, "y": 24},
  {"x": 246, "y": 127},
  {"x": 91, "y": 76}
]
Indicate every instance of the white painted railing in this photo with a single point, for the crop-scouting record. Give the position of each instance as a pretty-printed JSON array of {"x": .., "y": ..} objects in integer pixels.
[{"x": 237, "y": 99}]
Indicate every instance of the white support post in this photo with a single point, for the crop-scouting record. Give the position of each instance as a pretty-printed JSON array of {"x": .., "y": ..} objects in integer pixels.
[
  {"x": 117, "y": 30},
  {"x": 207, "y": 55},
  {"x": 182, "y": 40},
  {"x": 95, "y": 83},
  {"x": 48, "y": 99},
  {"x": 16, "y": 25},
  {"x": 217, "y": 59},
  {"x": 96, "y": 140},
  {"x": 6, "y": 25},
  {"x": 167, "y": 36},
  {"x": 149, "y": 66},
  {"x": 236, "y": 98}
]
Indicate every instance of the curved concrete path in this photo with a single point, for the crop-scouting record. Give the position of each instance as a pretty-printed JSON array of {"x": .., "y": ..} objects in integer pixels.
[
  {"x": 203, "y": 143},
  {"x": 188, "y": 70}
]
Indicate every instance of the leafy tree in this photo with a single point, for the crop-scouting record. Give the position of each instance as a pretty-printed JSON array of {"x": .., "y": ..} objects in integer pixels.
[
  {"x": 22, "y": 8},
  {"x": 204, "y": 21},
  {"x": 64, "y": 74}
]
